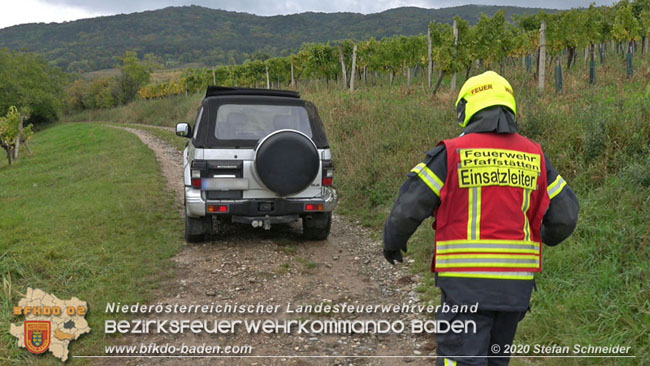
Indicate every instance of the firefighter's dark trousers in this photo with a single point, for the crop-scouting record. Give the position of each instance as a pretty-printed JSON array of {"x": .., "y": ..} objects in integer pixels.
[{"x": 494, "y": 330}]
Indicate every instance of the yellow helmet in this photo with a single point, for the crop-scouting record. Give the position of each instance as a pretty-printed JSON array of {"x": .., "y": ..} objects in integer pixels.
[{"x": 482, "y": 91}]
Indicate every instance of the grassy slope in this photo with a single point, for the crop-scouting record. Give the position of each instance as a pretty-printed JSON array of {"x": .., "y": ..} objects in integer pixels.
[
  {"x": 75, "y": 222},
  {"x": 159, "y": 112},
  {"x": 594, "y": 288}
]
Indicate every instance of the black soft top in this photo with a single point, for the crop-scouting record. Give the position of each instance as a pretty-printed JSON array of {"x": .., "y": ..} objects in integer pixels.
[
  {"x": 218, "y": 96},
  {"x": 216, "y": 91}
]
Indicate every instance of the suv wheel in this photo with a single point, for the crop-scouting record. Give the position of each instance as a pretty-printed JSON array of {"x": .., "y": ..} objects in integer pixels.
[
  {"x": 195, "y": 229},
  {"x": 317, "y": 226}
]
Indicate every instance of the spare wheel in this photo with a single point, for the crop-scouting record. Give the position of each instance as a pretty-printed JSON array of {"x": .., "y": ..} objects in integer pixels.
[{"x": 287, "y": 162}]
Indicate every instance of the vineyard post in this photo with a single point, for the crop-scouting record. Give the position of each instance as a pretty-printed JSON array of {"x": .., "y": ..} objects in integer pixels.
[
  {"x": 430, "y": 54},
  {"x": 453, "y": 77},
  {"x": 558, "y": 75},
  {"x": 343, "y": 70},
  {"x": 18, "y": 136},
  {"x": 629, "y": 62},
  {"x": 542, "y": 56},
  {"x": 408, "y": 76},
  {"x": 354, "y": 67},
  {"x": 268, "y": 79},
  {"x": 592, "y": 64},
  {"x": 293, "y": 80}
]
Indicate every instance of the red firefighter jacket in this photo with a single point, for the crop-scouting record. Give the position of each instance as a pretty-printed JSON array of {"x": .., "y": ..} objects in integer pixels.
[{"x": 492, "y": 205}]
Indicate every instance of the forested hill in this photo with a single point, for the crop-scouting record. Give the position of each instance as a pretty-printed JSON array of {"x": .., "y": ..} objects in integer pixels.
[{"x": 209, "y": 36}]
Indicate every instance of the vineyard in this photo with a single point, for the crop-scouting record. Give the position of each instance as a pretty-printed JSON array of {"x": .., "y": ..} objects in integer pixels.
[{"x": 446, "y": 50}]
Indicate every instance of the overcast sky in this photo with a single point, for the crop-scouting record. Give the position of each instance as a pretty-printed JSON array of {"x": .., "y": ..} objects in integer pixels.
[{"x": 14, "y": 12}]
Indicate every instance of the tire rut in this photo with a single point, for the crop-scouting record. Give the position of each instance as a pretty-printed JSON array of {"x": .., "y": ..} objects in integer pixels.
[{"x": 277, "y": 267}]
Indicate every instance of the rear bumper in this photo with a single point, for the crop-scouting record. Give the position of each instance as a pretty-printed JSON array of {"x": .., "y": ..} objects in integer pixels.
[{"x": 196, "y": 206}]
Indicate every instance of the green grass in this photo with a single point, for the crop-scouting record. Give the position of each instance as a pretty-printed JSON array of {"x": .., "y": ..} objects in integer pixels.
[
  {"x": 87, "y": 215},
  {"x": 289, "y": 249},
  {"x": 283, "y": 268},
  {"x": 307, "y": 265}
]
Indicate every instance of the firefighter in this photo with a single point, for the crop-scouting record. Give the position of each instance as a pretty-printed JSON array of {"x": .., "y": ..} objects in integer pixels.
[{"x": 495, "y": 198}]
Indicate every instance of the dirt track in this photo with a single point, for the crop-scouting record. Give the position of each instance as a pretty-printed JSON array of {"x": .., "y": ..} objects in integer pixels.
[{"x": 250, "y": 266}]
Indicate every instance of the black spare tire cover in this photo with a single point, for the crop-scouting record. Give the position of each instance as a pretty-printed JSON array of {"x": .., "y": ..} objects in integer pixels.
[{"x": 287, "y": 162}]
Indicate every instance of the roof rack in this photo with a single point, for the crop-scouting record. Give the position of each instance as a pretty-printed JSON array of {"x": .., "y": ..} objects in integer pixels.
[{"x": 214, "y": 91}]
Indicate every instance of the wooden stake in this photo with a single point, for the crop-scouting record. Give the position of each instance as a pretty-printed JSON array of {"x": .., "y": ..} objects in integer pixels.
[
  {"x": 430, "y": 56},
  {"x": 354, "y": 67},
  {"x": 18, "y": 137},
  {"x": 453, "y": 77},
  {"x": 542, "y": 57},
  {"x": 343, "y": 70}
]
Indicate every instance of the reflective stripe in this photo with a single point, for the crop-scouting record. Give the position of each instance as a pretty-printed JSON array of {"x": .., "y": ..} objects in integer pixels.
[
  {"x": 487, "y": 246},
  {"x": 487, "y": 260},
  {"x": 513, "y": 256},
  {"x": 524, "y": 208},
  {"x": 486, "y": 241},
  {"x": 480, "y": 265},
  {"x": 442, "y": 260},
  {"x": 429, "y": 178},
  {"x": 493, "y": 275},
  {"x": 449, "y": 362},
  {"x": 489, "y": 250},
  {"x": 474, "y": 214},
  {"x": 463, "y": 255},
  {"x": 556, "y": 187}
]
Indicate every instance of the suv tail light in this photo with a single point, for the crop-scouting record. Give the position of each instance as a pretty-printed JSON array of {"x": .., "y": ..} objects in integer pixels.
[
  {"x": 314, "y": 207},
  {"x": 218, "y": 208},
  {"x": 196, "y": 182},
  {"x": 196, "y": 179},
  {"x": 328, "y": 173},
  {"x": 197, "y": 171}
]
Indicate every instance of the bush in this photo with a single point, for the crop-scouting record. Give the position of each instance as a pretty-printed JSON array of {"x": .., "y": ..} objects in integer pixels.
[{"x": 28, "y": 81}]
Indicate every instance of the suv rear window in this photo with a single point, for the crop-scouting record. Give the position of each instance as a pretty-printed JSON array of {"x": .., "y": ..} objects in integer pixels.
[{"x": 255, "y": 121}]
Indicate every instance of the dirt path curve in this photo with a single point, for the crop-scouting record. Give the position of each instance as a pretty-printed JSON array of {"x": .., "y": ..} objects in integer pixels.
[
  {"x": 250, "y": 266},
  {"x": 149, "y": 126}
]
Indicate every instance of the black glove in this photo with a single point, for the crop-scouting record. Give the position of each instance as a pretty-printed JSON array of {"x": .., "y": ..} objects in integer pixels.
[{"x": 393, "y": 255}]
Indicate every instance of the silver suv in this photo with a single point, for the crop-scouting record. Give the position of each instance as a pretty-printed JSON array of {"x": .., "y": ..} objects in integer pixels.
[{"x": 257, "y": 157}]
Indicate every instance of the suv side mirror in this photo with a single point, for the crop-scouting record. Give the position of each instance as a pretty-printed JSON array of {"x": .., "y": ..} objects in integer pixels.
[{"x": 183, "y": 130}]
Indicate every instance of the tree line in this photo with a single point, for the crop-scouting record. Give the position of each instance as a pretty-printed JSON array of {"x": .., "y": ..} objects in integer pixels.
[{"x": 108, "y": 92}]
